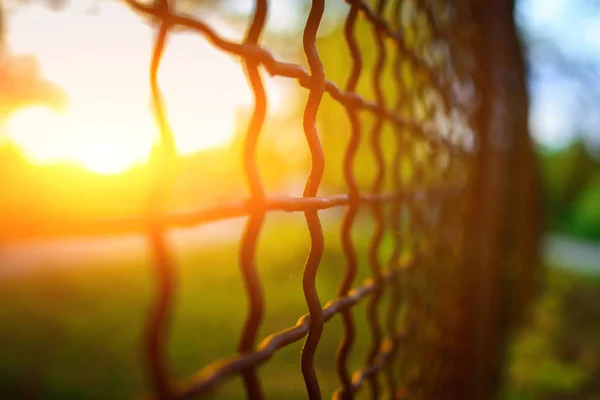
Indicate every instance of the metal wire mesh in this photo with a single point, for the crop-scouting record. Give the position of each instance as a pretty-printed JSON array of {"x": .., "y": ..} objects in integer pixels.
[
  {"x": 432, "y": 82},
  {"x": 434, "y": 119}
]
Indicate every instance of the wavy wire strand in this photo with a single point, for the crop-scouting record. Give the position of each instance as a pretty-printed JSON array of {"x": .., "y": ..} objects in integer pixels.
[
  {"x": 161, "y": 310},
  {"x": 347, "y": 340},
  {"x": 257, "y": 200},
  {"x": 395, "y": 286},
  {"x": 316, "y": 91},
  {"x": 409, "y": 286},
  {"x": 373, "y": 252}
]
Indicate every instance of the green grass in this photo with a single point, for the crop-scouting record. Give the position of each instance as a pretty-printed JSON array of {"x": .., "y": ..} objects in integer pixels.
[
  {"x": 557, "y": 354},
  {"x": 76, "y": 332}
]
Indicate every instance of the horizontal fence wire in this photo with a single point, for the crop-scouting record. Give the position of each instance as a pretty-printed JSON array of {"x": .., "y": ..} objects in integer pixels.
[
  {"x": 66, "y": 226},
  {"x": 409, "y": 356}
]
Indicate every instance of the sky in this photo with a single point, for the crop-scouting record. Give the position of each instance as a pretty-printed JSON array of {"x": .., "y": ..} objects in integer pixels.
[
  {"x": 96, "y": 49},
  {"x": 573, "y": 26}
]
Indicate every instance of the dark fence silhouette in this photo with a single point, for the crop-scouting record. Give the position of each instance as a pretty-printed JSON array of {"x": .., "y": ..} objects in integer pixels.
[{"x": 463, "y": 219}]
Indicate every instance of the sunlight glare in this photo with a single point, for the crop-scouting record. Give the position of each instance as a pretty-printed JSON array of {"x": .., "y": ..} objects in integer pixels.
[
  {"x": 101, "y": 60},
  {"x": 106, "y": 148}
]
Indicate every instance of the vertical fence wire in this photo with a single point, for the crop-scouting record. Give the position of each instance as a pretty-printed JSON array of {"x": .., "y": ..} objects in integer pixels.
[
  {"x": 395, "y": 215},
  {"x": 316, "y": 91},
  {"x": 346, "y": 391},
  {"x": 257, "y": 200},
  {"x": 377, "y": 211},
  {"x": 159, "y": 317}
]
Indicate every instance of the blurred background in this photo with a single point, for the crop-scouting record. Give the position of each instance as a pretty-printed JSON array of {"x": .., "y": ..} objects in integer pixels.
[
  {"x": 73, "y": 308},
  {"x": 557, "y": 355}
]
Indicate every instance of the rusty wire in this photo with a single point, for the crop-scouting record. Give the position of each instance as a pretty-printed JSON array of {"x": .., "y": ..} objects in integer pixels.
[
  {"x": 382, "y": 352},
  {"x": 384, "y": 347},
  {"x": 414, "y": 117}
]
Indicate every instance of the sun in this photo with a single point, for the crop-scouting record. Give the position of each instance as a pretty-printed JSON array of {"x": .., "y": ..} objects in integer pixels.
[
  {"x": 107, "y": 126},
  {"x": 103, "y": 146},
  {"x": 102, "y": 159},
  {"x": 109, "y": 143}
]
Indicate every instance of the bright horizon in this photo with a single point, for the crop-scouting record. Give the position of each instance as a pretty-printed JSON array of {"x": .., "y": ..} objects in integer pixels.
[{"x": 101, "y": 61}]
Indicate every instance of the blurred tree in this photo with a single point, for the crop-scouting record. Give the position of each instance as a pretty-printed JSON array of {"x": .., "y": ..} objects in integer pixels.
[{"x": 21, "y": 81}]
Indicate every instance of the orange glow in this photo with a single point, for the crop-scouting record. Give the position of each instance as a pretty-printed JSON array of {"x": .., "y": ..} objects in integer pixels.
[
  {"x": 101, "y": 61},
  {"x": 105, "y": 147}
]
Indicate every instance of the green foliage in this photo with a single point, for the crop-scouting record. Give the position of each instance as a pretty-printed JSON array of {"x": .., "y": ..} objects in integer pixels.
[
  {"x": 571, "y": 178},
  {"x": 585, "y": 216},
  {"x": 556, "y": 356}
]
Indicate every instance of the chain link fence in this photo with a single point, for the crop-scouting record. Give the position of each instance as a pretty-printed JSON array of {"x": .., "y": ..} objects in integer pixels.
[{"x": 460, "y": 144}]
